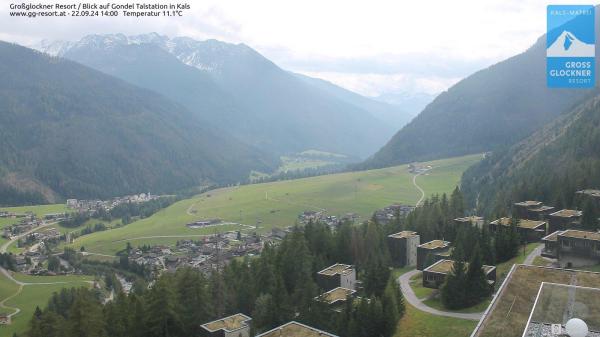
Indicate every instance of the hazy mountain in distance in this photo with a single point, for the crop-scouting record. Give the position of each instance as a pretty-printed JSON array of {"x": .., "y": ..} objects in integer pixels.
[
  {"x": 412, "y": 102},
  {"x": 391, "y": 114},
  {"x": 70, "y": 131},
  {"x": 493, "y": 108},
  {"x": 234, "y": 87}
]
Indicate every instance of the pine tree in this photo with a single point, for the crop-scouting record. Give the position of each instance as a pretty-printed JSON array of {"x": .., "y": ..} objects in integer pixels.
[
  {"x": 192, "y": 300},
  {"x": 161, "y": 317},
  {"x": 476, "y": 281},
  {"x": 589, "y": 218},
  {"x": 453, "y": 291},
  {"x": 85, "y": 316}
]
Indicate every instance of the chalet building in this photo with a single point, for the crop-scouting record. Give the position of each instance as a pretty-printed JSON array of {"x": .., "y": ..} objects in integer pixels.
[
  {"x": 529, "y": 230},
  {"x": 4, "y": 318},
  {"x": 564, "y": 219},
  {"x": 403, "y": 248},
  {"x": 521, "y": 209},
  {"x": 593, "y": 194},
  {"x": 573, "y": 248},
  {"x": 237, "y": 325},
  {"x": 295, "y": 329},
  {"x": 336, "y": 298},
  {"x": 435, "y": 275},
  {"x": 430, "y": 252},
  {"x": 540, "y": 213},
  {"x": 550, "y": 249},
  {"x": 337, "y": 275},
  {"x": 469, "y": 221}
]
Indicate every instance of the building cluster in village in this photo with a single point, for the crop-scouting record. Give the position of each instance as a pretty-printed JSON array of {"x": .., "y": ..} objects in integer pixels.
[
  {"x": 340, "y": 285},
  {"x": 206, "y": 254},
  {"x": 560, "y": 230},
  {"x": 25, "y": 223},
  {"x": 90, "y": 206}
]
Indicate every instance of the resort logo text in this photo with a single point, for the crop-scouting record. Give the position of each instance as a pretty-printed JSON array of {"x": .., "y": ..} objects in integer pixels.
[{"x": 570, "y": 46}]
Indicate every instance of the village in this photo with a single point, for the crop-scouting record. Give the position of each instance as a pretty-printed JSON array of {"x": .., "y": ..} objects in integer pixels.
[{"x": 566, "y": 245}]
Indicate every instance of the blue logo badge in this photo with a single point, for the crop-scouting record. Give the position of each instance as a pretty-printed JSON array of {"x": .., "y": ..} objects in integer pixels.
[{"x": 570, "y": 46}]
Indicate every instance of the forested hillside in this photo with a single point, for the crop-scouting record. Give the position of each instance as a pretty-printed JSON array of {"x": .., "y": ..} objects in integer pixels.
[
  {"x": 70, "y": 131},
  {"x": 549, "y": 166},
  {"x": 273, "y": 288},
  {"x": 493, "y": 108},
  {"x": 234, "y": 87}
]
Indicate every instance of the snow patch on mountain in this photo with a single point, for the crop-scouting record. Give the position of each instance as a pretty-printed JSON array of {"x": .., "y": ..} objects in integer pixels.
[{"x": 208, "y": 56}]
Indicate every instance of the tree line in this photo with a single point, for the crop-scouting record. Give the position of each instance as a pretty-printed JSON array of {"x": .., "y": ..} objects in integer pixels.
[{"x": 273, "y": 288}]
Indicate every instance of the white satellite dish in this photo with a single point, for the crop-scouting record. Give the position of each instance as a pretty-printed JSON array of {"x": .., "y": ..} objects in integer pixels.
[{"x": 576, "y": 328}]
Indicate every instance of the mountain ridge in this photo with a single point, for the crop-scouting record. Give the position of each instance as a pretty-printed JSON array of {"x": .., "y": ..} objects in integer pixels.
[
  {"x": 77, "y": 132},
  {"x": 266, "y": 106},
  {"x": 488, "y": 110}
]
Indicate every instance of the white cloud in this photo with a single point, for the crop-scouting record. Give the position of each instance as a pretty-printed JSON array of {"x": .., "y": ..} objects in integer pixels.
[
  {"x": 376, "y": 84},
  {"x": 365, "y": 37}
]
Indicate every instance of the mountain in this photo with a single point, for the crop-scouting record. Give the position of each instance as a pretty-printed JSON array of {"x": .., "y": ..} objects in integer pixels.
[
  {"x": 549, "y": 166},
  {"x": 412, "y": 103},
  {"x": 493, "y": 108},
  {"x": 233, "y": 86},
  {"x": 70, "y": 131},
  {"x": 391, "y": 114}
]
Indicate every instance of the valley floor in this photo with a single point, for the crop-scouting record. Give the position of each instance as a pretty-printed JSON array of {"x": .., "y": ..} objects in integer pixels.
[{"x": 257, "y": 207}]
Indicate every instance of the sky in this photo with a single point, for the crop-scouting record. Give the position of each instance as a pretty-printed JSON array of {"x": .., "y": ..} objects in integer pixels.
[{"x": 372, "y": 47}]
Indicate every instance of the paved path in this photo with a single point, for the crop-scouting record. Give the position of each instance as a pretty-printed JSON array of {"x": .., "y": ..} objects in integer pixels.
[
  {"x": 534, "y": 253},
  {"x": 409, "y": 295},
  {"x": 414, "y": 181}
]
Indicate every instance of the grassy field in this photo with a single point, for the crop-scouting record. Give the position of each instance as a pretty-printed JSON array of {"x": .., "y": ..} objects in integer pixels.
[
  {"x": 416, "y": 283},
  {"x": 279, "y": 203},
  {"x": 299, "y": 164},
  {"x": 417, "y": 323},
  {"x": 436, "y": 303},
  {"x": 503, "y": 268},
  {"x": 38, "y": 210},
  {"x": 32, "y": 295}
]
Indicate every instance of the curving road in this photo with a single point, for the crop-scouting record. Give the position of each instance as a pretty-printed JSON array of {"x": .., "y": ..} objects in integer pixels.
[
  {"x": 534, "y": 253},
  {"x": 414, "y": 181},
  {"x": 409, "y": 295},
  {"x": 9, "y": 275}
]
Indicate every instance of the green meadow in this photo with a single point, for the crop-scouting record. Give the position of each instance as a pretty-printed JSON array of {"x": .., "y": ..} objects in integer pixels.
[
  {"x": 277, "y": 204},
  {"x": 32, "y": 295}
]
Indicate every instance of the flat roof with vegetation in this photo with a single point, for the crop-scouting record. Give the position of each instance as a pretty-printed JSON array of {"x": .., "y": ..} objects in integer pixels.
[
  {"x": 573, "y": 233},
  {"x": 542, "y": 208},
  {"x": 445, "y": 267},
  {"x": 528, "y": 203},
  {"x": 337, "y": 294},
  {"x": 472, "y": 219},
  {"x": 558, "y": 303},
  {"x": 435, "y": 244},
  {"x": 567, "y": 213},
  {"x": 403, "y": 234},
  {"x": 511, "y": 307},
  {"x": 295, "y": 329},
  {"x": 523, "y": 223},
  {"x": 590, "y": 192},
  {"x": 552, "y": 236},
  {"x": 230, "y": 323},
  {"x": 337, "y": 268}
]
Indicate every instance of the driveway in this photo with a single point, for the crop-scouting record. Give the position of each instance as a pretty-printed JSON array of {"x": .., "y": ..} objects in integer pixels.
[{"x": 409, "y": 296}]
